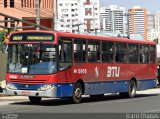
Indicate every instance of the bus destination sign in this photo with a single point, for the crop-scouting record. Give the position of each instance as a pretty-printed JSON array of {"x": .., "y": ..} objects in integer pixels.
[
  {"x": 39, "y": 38},
  {"x": 17, "y": 38},
  {"x": 32, "y": 37}
]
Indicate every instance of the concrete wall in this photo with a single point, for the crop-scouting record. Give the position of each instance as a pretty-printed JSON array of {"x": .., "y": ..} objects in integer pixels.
[{"x": 3, "y": 65}]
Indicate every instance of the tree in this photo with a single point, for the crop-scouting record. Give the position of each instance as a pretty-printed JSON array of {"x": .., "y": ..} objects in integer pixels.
[{"x": 2, "y": 37}]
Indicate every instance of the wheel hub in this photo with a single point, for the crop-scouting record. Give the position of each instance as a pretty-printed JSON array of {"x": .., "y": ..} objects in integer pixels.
[{"x": 78, "y": 93}]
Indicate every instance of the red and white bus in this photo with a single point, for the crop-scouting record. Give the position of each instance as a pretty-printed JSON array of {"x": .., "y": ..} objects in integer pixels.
[{"x": 56, "y": 64}]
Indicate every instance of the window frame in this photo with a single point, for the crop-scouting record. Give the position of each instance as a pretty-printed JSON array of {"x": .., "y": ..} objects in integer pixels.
[
  {"x": 82, "y": 51},
  {"x": 69, "y": 64},
  {"x": 119, "y": 53},
  {"x": 107, "y": 53},
  {"x": 96, "y": 52},
  {"x": 133, "y": 53},
  {"x": 140, "y": 53},
  {"x": 151, "y": 54}
]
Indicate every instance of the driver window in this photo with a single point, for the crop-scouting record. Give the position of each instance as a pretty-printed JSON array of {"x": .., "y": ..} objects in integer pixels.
[{"x": 65, "y": 53}]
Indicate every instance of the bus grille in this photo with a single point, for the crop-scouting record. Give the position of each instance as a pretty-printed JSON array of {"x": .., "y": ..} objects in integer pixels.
[{"x": 28, "y": 81}]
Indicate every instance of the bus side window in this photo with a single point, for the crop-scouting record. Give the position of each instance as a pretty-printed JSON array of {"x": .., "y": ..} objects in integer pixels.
[
  {"x": 79, "y": 50},
  {"x": 120, "y": 51},
  {"x": 144, "y": 54},
  {"x": 107, "y": 51},
  {"x": 152, "y": 54},
  {"x": 65, "y": 53},
  {"x": 133, "y": 53},
  {"x": 93, "y": 51}
]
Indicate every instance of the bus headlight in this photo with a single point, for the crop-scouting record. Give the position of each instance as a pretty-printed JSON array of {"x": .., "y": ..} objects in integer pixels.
[
  {"x": 45, "y": 87},
  {"x": 11, "y": 86},
  {"x": 3, "y": 84}
]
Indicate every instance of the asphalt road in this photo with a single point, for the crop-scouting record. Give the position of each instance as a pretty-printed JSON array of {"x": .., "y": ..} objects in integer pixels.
[{"x": 143, "y": 103}]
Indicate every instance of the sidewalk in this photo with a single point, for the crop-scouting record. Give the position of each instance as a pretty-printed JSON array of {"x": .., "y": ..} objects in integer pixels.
[
  {"x": 13, "y": 98},
  {"x": 150, "y": 91}
]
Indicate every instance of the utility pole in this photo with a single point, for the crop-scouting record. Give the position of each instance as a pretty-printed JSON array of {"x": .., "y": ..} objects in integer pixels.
[
  {"x": 95, "y": 30},
  {"x": 38, "y": 14},
  {"x": 78, "y": 25},
  {"x": 55, "y": 14}
]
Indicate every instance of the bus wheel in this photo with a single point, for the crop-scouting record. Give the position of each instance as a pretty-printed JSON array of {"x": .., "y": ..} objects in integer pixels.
[
  {"x": 77, "y": 93},
  {"x": 35, "y": 100},
  {"x": 131, "y": 91}
]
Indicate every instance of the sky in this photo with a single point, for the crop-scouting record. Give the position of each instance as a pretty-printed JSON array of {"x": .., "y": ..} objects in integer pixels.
[{"x": 152, "y": 6}]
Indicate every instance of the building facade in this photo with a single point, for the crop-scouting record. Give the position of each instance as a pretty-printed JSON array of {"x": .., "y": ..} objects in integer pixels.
[
  {"x": 151, "y": 27},
  {"x": 68, "y": 15},
  {"x": 151, "y": 22},
  {"x": 158, "y": 25},
  {"x": 158, "y": 21},
  {"x": 152, "y": 35},
  {"x": 91, "y": 15},
  {"x": 78, "y": 16},
  {"x": 137, "y": 18},
  {"x": 112, "y": 18},
  {"x": 26, "y": 9}
]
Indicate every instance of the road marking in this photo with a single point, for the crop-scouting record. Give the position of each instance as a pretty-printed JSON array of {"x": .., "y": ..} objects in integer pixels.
[
  {"x": 128, "y": 100},
  {"x": 154, "y": 111},
  {"x": 23, "y": 111}
]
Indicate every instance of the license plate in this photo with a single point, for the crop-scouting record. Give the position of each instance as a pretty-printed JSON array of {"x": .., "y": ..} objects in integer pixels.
[{"x": 25, "y": 92}]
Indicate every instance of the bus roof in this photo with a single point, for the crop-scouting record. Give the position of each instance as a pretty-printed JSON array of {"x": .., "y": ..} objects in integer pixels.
[{"x": 89, "y": 37}]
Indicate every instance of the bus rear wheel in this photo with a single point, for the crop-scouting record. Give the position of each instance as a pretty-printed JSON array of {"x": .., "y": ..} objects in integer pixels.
[
  {"x": 131, "y": 91},
  {"x": 35, "y": 100},
  {"x": 77, "y": 93}
]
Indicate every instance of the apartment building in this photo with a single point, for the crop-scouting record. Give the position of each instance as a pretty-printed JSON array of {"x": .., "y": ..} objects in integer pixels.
[
  {"x": 112, "y": 18},
  {"x": 137, "y": 18},
  {"x": 151, "y": 22},
  {"x": 158, "y": 21},
  {"x": 26, "y": 9},
  {"x": 68, "y": 15},
  {"x": 151, "y": 27},
  {"x": 158, "y": 25},
  {"x": 78, "y": 16},
  {"x": 91, "y": 15}
]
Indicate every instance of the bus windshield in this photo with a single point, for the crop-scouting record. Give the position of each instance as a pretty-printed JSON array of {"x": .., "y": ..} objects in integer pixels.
[{"x": 32, "y": 58}]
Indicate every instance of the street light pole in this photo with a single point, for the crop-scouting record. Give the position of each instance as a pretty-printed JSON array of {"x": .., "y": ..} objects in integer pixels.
[{"x": 38, "y": 14}]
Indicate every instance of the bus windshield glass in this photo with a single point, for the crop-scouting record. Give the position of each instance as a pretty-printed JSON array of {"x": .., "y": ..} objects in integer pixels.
[{"x": 32, "y": 58}]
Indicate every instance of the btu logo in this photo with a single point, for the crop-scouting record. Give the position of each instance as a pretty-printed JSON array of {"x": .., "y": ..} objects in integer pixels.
[{"x": 113, "y": 71}]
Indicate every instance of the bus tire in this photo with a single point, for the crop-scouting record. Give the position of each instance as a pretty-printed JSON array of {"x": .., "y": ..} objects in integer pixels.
[
  {"x": 77, "y": 93},
  {"x": 35, "y": 100},
  {"x": 131, "y": 90}
]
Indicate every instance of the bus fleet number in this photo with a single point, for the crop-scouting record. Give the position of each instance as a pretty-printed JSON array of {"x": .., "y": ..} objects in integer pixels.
[{"x": 80, "y": 71}]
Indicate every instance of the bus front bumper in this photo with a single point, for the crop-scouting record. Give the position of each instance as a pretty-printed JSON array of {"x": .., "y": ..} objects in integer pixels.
[{"x": 52, "y": 92}]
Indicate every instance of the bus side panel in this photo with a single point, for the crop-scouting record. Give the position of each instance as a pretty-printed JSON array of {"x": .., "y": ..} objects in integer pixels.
[
  {"x": 106, "y": 87},
  {"x": 66, "y": 90},
  {"x": 102, "y": 78},
  {"x": 146, "y": 84}
]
